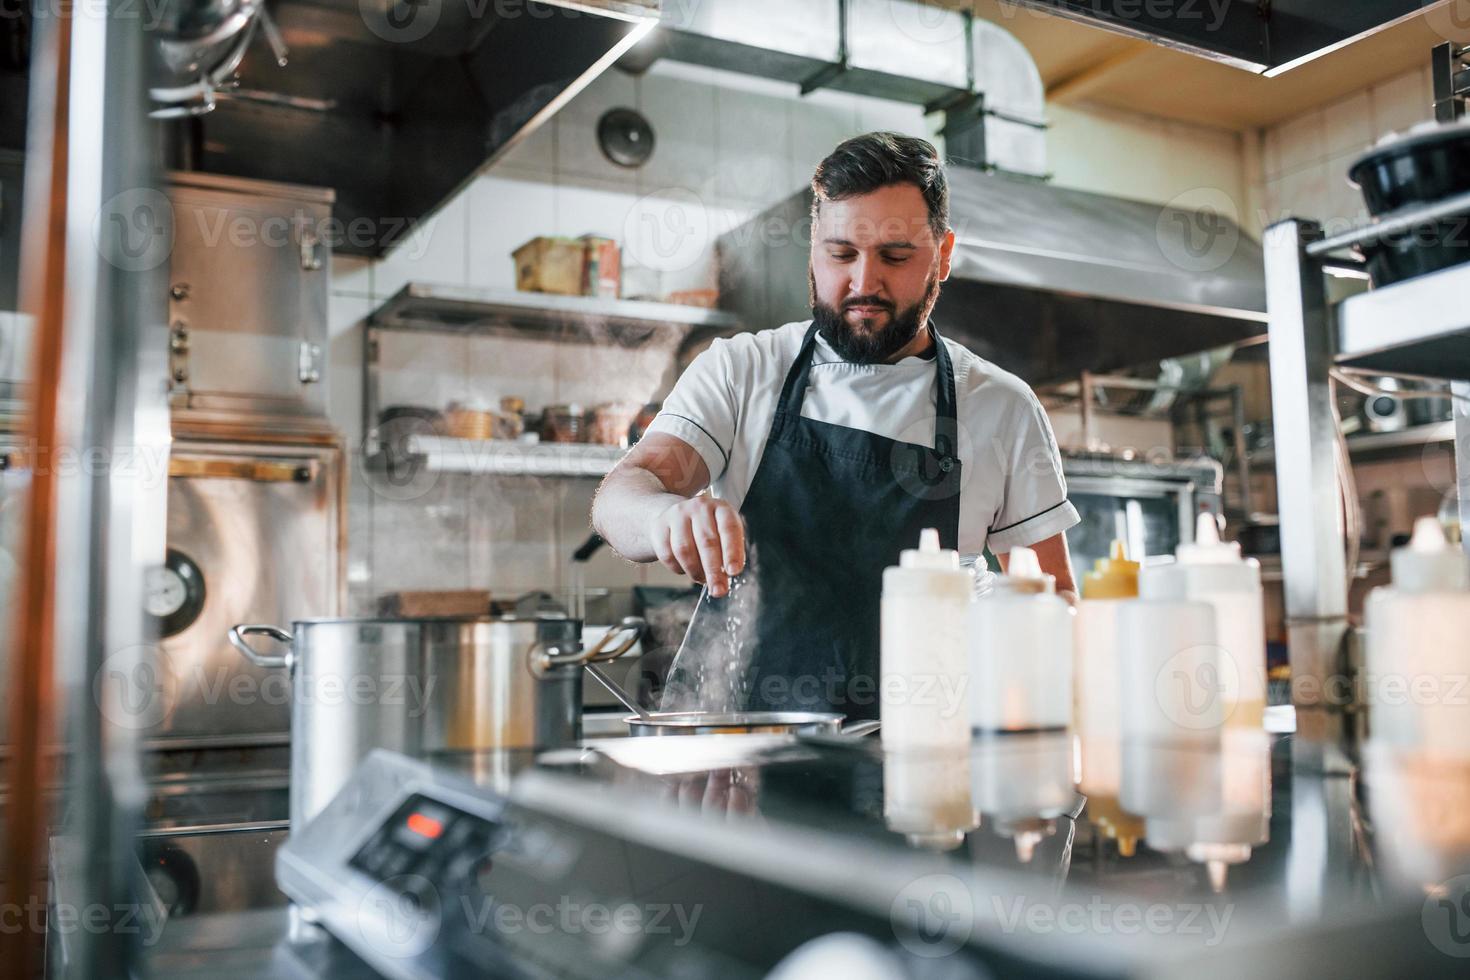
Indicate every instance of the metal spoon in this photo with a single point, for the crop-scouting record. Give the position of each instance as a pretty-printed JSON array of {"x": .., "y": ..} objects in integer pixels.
[{"x": 616, "y": 690}]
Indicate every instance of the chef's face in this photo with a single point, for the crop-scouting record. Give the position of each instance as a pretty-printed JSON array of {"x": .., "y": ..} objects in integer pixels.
[{"x": 876, "y": 267}]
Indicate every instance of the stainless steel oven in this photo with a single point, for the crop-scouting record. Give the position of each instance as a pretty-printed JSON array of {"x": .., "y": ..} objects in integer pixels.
[{"x": 1150, "y": 506}]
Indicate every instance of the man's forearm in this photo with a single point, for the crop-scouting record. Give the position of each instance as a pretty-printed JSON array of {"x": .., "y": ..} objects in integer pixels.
[{"x": 624, "y": 510}]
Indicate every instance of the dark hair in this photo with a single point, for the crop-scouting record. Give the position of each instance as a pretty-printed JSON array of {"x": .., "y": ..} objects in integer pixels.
[{"x": 865, "y": 163}]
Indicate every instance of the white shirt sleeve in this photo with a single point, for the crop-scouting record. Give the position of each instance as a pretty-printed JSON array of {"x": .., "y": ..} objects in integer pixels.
[
  {"x": 1034, "y": 506},
  {"x": 702, "y": 409}
]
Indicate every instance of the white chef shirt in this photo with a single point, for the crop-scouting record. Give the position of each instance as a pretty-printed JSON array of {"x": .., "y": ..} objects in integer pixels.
[{"x": 1012, "y": 491}]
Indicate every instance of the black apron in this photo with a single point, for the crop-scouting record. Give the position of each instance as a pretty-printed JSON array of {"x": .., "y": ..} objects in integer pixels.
[{"x": 830, "y": 507}]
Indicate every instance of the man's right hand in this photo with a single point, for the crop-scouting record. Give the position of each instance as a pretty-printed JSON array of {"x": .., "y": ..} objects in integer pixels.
[{"x": 702, "y": 537}]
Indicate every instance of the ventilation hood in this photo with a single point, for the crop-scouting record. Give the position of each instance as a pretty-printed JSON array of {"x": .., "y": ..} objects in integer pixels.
[
  {"x": 1046, "y": 282},
  {"x": 397, "y": 104},
  {"x": 1265, "y": 36}
]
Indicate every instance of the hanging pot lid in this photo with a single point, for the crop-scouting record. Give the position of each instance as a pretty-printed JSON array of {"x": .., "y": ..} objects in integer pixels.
[{"x": 626, "y": 137}]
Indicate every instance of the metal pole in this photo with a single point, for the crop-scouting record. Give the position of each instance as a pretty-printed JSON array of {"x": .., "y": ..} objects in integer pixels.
[
  {"x": 1242, "y": 461},
  {"x": 1309, "y": 502},
  {"x": 1461, "y": 390},
  {"x": 1086, "y": 387},
  {"x": 99, "y": 397}
]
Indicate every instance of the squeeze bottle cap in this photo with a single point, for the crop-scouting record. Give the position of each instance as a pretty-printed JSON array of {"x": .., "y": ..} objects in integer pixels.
[
  {"x": 1429, "y": 563},
  {"x": 1113, "y": 577},
  {"x": 1023, "y": 573},
  {"x": 1207, "y": 548},
  {"x": 929, "y": 554}
]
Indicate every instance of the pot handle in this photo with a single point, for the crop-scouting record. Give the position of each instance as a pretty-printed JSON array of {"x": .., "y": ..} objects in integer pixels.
[
  {"x": 549, "y": 658},
  {"x": 859, "y": 728},
  {"x": 237, "y": 640}
]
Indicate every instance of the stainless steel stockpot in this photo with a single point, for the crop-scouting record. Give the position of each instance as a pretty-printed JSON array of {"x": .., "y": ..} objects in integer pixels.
[{"x": 425, "y": 685}]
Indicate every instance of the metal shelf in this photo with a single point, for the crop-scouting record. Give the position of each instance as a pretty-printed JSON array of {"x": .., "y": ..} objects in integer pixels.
[
  {"x": 1414, "y": 437},
  {"x": 1419, "y": 327},
  {"x": 459, "y": 309},
  {"x": 504, "y": 458}
]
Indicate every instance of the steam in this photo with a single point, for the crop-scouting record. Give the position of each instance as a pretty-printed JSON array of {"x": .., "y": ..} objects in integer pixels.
[{"x": 711, "y": 671}]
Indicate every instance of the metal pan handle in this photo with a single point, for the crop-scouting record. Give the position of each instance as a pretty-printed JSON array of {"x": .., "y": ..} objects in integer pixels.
[
  {"x": 549, "y": 658},
  {"x": 237, "y": 640}
]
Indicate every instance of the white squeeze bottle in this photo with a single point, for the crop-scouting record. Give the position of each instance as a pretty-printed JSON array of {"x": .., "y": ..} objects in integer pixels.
[
  {"x": 1418, "y": 651},
  {"x": 1021, "y": 652},
  {"x": 1212, "y": 571},
  {"x": 923, "y": 648}
]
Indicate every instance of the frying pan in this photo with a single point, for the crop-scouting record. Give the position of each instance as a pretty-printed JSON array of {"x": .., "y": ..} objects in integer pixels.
[{"x": 645, "y": 723}]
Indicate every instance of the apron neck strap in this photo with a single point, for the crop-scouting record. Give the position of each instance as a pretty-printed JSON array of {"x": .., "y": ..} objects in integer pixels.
[{"x": 793, "y": 392}]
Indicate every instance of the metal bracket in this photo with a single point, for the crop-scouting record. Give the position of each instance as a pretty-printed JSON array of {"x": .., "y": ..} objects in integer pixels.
[
  {"x": 825, "y": 75},
  {"x": 311, "y": 257},
  {"x": 309, "y": 363},
  {"x": 178, "y": 353}
]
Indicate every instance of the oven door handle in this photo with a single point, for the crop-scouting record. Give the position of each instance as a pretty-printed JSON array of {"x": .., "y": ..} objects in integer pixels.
[{"x": 237, "y": 640}]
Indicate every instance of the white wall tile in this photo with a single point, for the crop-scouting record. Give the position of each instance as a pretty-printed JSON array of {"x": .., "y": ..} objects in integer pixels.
[
  {"x": 683, "y": 117},
  {"x": 345, "y": 316},
  {"x": 435, "y": 251},
  {"x": 1349, "y": 124},
  {"x": 817, "y": 126},
  {"x": 352, "y": 275},
  {"x": 423, "y": 542},
  {"x": 579, "y": 158},
  {"x": 512, "y": 541},
  {"x": 1271, "y": 153},
  {"x": 894, "y": 117},
  {"x": 753, "y": 148},
  {"x": 1303, "y": 193},
  {"x": 590, "y": 374},
  {"x": 534, "y": 156},
  {"x": 1303, "y": 141},
  {"x": 504, "y": 214},
  {"x": 429, "y": 369},
  {"x": 592, "y": 211},
  {"x": 501, "y": 367},
  {"x": 1402, "y": 101}
]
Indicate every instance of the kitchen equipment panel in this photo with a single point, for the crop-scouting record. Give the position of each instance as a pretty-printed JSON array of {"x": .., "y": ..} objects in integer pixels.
[
  {"x": 248, "y": 279},
  {"x": 255, "y": 534}
]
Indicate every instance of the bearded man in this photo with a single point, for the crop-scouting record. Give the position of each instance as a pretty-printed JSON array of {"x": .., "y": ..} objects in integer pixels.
[{"x": 822, "y": 448}]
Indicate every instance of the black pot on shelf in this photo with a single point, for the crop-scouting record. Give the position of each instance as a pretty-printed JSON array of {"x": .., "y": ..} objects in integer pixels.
[{"x": 1423, "y": 167}]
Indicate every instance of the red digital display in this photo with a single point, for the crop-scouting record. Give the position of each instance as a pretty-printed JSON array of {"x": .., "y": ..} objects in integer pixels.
[{"x": 424, "y": 826}]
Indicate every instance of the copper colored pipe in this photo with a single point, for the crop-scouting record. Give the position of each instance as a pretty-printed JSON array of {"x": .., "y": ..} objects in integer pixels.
[{"x": 32, "y": 685}]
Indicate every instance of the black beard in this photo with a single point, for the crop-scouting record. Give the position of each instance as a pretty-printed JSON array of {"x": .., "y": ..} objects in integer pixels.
[{"x": 872, "y": 347}]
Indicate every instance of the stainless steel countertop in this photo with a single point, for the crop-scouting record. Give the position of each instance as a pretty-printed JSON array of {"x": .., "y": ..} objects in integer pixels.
[{"x": 1337, "y": 879}]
